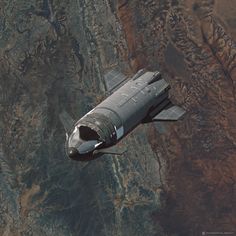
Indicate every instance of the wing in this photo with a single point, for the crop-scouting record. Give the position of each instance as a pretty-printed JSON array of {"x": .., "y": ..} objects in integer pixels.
[
  {"x": 111, "y": 150},
  {"x": 172, "y": 113},
  {"x": 67, "y": 121},
  {"x": 114, "y": 79}
]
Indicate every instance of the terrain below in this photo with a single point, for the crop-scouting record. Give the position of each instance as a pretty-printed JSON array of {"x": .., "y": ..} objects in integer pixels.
[{"x": 177, "y": 179}]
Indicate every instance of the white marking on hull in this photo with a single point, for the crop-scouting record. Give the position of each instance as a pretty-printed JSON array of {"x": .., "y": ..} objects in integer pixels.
[{"x": 119, "y": 132}]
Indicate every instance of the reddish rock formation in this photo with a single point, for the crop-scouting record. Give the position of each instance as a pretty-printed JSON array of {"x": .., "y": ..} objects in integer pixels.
[{"x": 200, "y": 152}]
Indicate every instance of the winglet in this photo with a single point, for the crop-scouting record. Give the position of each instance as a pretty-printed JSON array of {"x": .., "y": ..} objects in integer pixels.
[
  {"x": 173, "y": 113},
  {"x": 67, "y": 121}
]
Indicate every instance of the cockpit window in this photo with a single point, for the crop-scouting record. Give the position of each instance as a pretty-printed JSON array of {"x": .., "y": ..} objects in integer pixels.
[{"x": 87, "y": 133}]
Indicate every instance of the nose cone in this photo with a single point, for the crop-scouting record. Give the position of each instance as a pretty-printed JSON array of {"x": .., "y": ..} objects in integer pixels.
[
  {"x": 73, "y": 153},
  {"x": 83, "y": 150}
]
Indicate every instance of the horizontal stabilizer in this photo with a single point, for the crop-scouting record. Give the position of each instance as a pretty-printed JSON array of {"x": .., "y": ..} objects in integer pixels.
[
  {"x": 111, "y": 150},
  {"x": 172, "y": 113},
  {"x": 114, "y": 79},
  {"x": 67, "y": 121}
]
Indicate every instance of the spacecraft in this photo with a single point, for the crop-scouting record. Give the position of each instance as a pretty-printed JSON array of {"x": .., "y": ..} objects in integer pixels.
[{"x": 132, "y": 101}]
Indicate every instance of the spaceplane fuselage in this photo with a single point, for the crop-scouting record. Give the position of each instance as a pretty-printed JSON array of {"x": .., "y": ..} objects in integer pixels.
[{"x": 141, "y": 99}]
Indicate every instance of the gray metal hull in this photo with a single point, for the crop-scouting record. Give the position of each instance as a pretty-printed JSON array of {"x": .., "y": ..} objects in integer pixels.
[{"x": 130, "y": 104}]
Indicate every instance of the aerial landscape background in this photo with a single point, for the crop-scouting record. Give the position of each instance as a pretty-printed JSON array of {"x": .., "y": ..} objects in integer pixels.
[{"x": 176, "y": 179}]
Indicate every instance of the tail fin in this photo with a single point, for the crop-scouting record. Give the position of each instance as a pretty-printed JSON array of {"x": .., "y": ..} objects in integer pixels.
[{"x": 67, "y": 121}]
